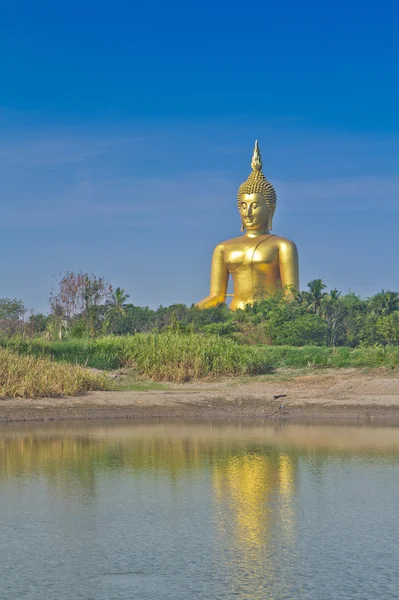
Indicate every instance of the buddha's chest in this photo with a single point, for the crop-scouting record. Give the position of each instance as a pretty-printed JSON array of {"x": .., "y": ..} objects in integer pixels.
[{"x": 260, "y": 256}]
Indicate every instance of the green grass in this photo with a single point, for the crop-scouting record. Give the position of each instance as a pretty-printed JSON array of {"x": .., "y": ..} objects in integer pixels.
[
  {"x": 127, "y": 384},
  {"x": 161, "y": 357},
  {"x": 182, "y": 357},
  {"x": 32, "y": 377},
  {"x": 316, "y": 356}
]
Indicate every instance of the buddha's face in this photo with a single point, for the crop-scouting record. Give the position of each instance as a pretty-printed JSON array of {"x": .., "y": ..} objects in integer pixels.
[{"x": 254, "y": 211}]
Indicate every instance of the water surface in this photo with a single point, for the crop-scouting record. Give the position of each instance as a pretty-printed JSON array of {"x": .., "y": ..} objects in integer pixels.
[{"x": 199, "y": 511}]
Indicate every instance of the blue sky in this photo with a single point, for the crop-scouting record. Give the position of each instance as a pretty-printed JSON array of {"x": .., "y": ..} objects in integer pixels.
[{"x": 126, "y": 129}]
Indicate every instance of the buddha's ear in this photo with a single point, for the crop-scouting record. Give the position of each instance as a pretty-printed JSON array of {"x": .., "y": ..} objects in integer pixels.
[{"x": 270, "y": 222}]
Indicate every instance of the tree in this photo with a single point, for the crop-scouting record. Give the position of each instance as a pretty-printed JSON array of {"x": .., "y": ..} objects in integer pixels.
[
  {"x": 57, "y": 319},
  {"x": 12, "y": 309},
  {"x": 38, "y": 323},
  {"x": 115, "y": 307},
  {"x": 302, "y": 299},
  {"x": 384, "y": 303},
  {"x": 332, "y": 310},
  {"x": 316, "y": 295},
  {"x": 328, "y": 304},
  {"x": 136, "y": 319},
  {"x": 117, "y": 301},
  {"x": 81, "y": 295},
  {"x": 387, "y": 329},
  {"x": 355, "y": 314},
  {"x": 304, "y": 330}
]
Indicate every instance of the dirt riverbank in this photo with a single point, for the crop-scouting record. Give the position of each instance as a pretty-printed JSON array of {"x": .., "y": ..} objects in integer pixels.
[{"x": 338, "y": 394}]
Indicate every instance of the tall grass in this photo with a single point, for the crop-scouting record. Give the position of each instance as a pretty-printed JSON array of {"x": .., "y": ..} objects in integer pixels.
[
  {"x": 317, "y": 356},
  {"x": 163, "y": 357},
  {"x": 180, "y": 357},
  {"x": 32, "y": 377}
]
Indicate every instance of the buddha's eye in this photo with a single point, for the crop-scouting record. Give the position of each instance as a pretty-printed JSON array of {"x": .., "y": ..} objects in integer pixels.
[
  {"x": 243, "y": 206},
  {"x": 255, "y": 205}
]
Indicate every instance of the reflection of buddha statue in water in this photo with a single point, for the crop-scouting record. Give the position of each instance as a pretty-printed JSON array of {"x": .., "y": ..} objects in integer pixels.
[{"x": 258, "y": 261}]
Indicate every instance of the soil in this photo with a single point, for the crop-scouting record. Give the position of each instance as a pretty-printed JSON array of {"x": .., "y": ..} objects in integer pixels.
[{"x": 333, "y": 394}]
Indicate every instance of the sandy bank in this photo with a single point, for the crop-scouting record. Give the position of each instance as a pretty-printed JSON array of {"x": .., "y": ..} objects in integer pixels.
[{"x": 339, "y": 394}]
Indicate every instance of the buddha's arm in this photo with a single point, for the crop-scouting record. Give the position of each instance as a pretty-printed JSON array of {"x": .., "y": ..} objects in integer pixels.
[
  {"x": 289, "y": 270},
  {"x": 219, "y": 280}
]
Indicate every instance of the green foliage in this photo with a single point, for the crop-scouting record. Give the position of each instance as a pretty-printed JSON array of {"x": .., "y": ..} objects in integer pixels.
[
  {"x": 78, "y": 329},
  {"x": 115, "y": 308},
  {"x": 278, "y": 321},
  {"x": 33, "y": 377},
  {"x": 315, "y": 295},
  {"x": 98, "y": 353},
  {"x": 11, "y": 309},
  {"x": 313, "y": 356},
  {"x": 79, "y": 296},
  {"x": 387, "y": 329},
  {"x": 38, "y": 323},
  {"x": 178, "y": 357},
  {"x": 302, "y": 331},
  {"x": 380, "y": 330},
  {"x": 252, "y": 333},
  {"x": 224, "y": 329},
  {"x": 136, "y": 319},
  {"x": 384, "y": 303},
  {"x": 163, "y": 357},
  {"x": 85, "y": 306}
]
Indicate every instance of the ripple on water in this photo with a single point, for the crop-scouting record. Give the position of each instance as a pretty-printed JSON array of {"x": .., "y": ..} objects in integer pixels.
[{"x": 246, "y": 510}]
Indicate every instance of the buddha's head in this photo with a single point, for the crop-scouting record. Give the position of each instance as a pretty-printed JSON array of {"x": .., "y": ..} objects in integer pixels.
[{"x": 256, "y": 198}]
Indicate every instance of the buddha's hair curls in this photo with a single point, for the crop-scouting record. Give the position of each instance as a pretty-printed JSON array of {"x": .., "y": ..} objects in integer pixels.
[{"x": 258, "y": 184}]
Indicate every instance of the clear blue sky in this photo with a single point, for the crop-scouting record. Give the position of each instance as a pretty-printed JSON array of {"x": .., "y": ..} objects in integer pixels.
[{"x": 126, "y": 128}]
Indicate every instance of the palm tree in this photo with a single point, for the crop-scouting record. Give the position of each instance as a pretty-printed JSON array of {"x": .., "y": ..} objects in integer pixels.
[
  {"x": 116, "y": 305},
  {"x": 118, "y": 299},
  {"x": 333, "y": 311},
  {"x": 334, "y": 294},
  {"x": 329, "y": 303},
  {"x": 384, "y": 303},
  {"x": 302, "y": 298},
  {"x": 315, "y": 295}
]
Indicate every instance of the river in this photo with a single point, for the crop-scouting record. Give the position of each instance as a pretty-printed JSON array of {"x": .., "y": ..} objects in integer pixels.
[{"x": 241, "y": 510}]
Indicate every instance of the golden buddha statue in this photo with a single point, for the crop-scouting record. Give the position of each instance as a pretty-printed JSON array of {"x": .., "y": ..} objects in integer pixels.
[{"x": 258, "y": 261}]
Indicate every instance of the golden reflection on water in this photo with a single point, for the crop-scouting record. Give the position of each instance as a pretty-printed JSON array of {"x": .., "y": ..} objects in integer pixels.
[
  {"x": 241, "y": 487},
  {"x": 287, "y": 483},
  {"x": 253, "y": 497},
  {"x": 256, "y": 456},
  {"x": 252, "y": 472}
]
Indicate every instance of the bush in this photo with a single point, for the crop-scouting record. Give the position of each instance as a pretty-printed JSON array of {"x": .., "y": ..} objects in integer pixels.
[
  {"x": 344, "y": 357},
  {"x": 166, "y": 356},
  {"x": 178, "y": 357},
  {"x": 304, "y": 330},
  {"x": 31, "y": 377}
]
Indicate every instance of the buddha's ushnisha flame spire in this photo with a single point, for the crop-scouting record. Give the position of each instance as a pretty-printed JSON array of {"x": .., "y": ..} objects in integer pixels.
[
  {"x": 256, "y": 162},
  {"x": 257, "y": 182}
]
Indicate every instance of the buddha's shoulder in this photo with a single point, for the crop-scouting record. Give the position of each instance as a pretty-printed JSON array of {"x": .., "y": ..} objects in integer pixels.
[
  {"x": 242, "y": 240},
  {"x": 232, "y": 242},
  {"x": 282, "y": 241}
]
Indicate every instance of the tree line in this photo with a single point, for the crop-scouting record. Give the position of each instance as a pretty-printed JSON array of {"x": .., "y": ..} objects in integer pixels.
[{"x": 84, "y": 305}]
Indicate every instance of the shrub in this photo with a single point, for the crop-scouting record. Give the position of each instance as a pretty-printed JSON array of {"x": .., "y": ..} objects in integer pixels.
[
  {"x": 31, "y": 377},
  {"x": 168, "y": 356},
  {"x": 343, "y": 357},
  {"x": 304, "y": 330}
]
